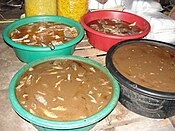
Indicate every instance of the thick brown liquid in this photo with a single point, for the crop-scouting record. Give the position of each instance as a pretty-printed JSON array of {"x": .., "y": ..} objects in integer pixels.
[
  {"x": 147, "y": 65},
  {"x": 64, "y": 90},
  {"x": 43, "y": 34},
  {"x": 114, "y": 27}
]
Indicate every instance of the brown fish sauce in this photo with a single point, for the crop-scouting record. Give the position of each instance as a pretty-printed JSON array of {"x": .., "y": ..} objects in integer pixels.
[
  {"x": 115, "y": 27},
  {"x": 44, "y": 34},
  {"x": 72, "y": 91}
]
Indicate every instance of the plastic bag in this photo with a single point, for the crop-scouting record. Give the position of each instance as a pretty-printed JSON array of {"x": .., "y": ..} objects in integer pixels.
[
  {"x": 40, "y": 7},
  {"x": 73, "y": 9}
]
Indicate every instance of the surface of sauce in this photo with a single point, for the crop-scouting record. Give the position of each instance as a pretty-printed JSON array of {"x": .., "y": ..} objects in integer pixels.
[
  {"x": 114, "y": 27},
  {"x": 63, "y": 90},
  {"x": 150, "y": 66},
  {"x": 43, "y": 34}
]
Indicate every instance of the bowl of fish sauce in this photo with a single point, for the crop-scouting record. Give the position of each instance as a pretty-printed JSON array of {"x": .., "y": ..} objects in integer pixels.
[
  {"x": 145, "y": 70},
  {"x": 63, "y": 93},
  {"x": 105, "y": 28},
  {"x": 36, "y": 37}
]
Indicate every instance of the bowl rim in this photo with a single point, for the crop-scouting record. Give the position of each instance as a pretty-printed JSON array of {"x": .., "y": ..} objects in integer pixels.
[
  {"x": 129, "y": 84},
  {"x": 70, "y": 124},
  {"x": 42, "y": 18},
  {"x": 87, "y": 28}
]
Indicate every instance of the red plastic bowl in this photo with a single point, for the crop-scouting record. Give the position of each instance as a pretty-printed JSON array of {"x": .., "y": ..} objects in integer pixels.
[{"x": 104, "y": 41}]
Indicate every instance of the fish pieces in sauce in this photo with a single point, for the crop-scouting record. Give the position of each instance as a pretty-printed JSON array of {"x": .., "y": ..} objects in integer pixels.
[
  {"x": 114, "y": 27},
  {"x": 44, "y": 34},
  {"x": 63, "y": 90}
]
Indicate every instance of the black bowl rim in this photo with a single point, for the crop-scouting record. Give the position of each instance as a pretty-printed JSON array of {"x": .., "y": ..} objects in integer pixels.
[{"x": 129, "y": 84}]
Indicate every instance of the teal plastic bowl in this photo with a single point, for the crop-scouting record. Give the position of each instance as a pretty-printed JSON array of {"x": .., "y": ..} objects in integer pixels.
[
  {"x": 30, "y": 53},
  {"x": 50, "y": 125}
]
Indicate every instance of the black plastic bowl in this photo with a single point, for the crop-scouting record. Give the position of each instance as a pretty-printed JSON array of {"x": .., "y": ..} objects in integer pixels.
[{"x": 141, "y": 100}]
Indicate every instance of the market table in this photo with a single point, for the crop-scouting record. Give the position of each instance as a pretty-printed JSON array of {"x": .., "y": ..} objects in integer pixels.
[{"x": 121, "y": 119}]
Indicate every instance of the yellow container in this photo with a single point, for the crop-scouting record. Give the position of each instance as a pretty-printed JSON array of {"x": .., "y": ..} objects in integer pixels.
[
  {"x": 40, "y": 7},
  {"x": 73, "y": 9}
]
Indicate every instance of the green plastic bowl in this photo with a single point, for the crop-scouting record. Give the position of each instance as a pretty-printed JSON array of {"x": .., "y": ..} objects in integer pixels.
[
  {"x": 77, "y": 125},
  {"x": 30, "y": 53}
]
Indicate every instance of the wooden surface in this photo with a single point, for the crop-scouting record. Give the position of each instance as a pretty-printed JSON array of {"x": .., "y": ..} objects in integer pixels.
[{"x": 121, "y": 119}]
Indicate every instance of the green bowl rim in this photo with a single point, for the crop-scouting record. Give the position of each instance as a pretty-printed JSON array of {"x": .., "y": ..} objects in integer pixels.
[
  {"x": 45, "y": 18},
  {"x": 92, "y": 120}
]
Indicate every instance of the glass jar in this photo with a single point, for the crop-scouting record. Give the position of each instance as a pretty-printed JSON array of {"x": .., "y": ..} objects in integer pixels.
[
  {"x": 73, "y": 9},
  {"x": 40, "y": 7}
]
